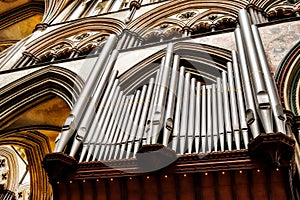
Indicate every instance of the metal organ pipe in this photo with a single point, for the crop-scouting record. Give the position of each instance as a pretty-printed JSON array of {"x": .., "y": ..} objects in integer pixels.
[
  {"x": 191, "y": 116},
  {"x": 260, "y": 92},
  {"x": 169, "y": 121},
  {"x": 240, "y": 98},
  {"x": 76, "y": 114},
  {"x": 233, "y": 106},
  {"x": 198, "y": 117},
  {"x": 178, "y": 109},
  {"x": 277, "y": 109},
  {"x": 251, "y": 114},
  {"x": 140, "y": 136},
  {"x": 184, "y": 114},
  {"x": 228, "y": 128}
]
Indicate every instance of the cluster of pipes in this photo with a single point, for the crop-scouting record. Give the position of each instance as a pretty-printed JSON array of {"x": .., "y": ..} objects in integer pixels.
[{"x": 175, "y": 109}]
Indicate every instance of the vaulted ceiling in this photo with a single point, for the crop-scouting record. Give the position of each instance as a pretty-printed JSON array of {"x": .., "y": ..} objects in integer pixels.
[{"x": 18, "y": 19}]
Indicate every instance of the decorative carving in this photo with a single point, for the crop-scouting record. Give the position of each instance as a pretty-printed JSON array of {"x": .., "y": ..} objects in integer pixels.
[
  {"x": 187, "y": 15},
  {"x": 82, "y": 36}
]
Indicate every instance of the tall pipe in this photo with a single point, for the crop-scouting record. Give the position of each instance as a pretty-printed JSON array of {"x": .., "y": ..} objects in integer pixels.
[
  {"x": 103, "y": 123},
  {"x": 220, "y": 114},
  {"x": 178, "y": 109},
  {"x": 228, "y": 128},
  {"x": 240, "y": 98},
  {"x": 118, "y": 127},
  {"x": 184, "y": 114},
  {"x": 191, "y": 116},
  {"x": 277, "y": 109},
  {"x": 96, "y": 133},
  {"x": 159, "y": 111},
  {"x": 103, "y": 131},
  {"x": 91, "y": 108},
  {"x": 91, "y": 131},
  {"x": 209, "y": 127},
  {"x": 129, "y": 123},
  {"x": 251, "y": 114},
  {"x": 142, "y": 123},
  {"x": 261, "y": 95},
  {"x": 169, "y": 116},
  {"x": 123, "y": 127},
  {"x": 108, "y": 136},
  {"x": 76, "y": 113},
  {"x": 215, "y": 134},
  {"x": 136, "y": 120},
  {"x": 198, "y": 117},
  {"x": 203, "y": 121},
  {"x": 233, "y": 107}
]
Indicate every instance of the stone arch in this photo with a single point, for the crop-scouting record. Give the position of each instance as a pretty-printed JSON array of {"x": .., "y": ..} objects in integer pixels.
[
  {"x": 205, "y": 61},
  {"x": 288, "y": 79}
]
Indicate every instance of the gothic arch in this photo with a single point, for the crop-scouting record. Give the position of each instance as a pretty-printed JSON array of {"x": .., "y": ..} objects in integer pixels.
[
  {"x": 204, "y": 61},
  {"x": 13, "y": 166},
  {"x": 149, "y": 19},
  {"x": 105, "y": 25},
  {"x": 35, "y": 88},
  {"x": 288, "y": 80}
]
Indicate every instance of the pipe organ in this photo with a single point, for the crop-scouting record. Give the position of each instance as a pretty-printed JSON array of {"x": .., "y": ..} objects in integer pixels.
[{"x": 174, "y": 108}]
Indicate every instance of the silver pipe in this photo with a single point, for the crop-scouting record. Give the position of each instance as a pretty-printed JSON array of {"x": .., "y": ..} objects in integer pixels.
[
  {"x": 233, "y": 106},
  {"x": 123, "y": 127},
  {"x": 240, "y": 99},
  {"x": 134, "y": 128},
  {"x": 184, "y": 114},
  {"x": 191, "y": 116},
  {"x": 113, "y": 135},
  {"x": 108, "y": 136},
  {"x": 209, "y": 127},
  {"x": 103, "y": 131},
  {"x": 276, "y": 106},
  {"x": 198, "y": 117},
  {"x": 90, "y": 111},
  {"x": 96, "y": 130},
  {"x": 220, "y": 114},
  {"x": 260, "y": 17},
  {"x": 117, "y": 127},
  {"x": 251, "y": 114},
  {"x": 130, "y": 121},
  {"x": 203, "y": 121},
  {"x": 215, "y": 135},
  {"x": 76, "y": 113},
  {"x": 178, "y": 109},
  {"x": 91, "y": 130},
  {"x": 153, "y": 102},
  {"x": 262, "y": 97},
  {"x": 158, "y": 116},
  {"x": 101, "y": 128},
  {"x": 168, "y": 123},
  {"x": 228, "y": 128},
  {"x": 142, "y": 123}
]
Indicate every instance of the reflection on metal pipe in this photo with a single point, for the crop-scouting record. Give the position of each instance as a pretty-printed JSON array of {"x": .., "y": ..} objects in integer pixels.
[
  {"x": 277, "y": 109},
  {"x": 262, "y": 97},
  {"x": 251, "y": 114},
  {"x": 228, "y": 128},
  {"x": 233, "y": 107},
  {"x": 178, "y": 109},
  {"x": 198, "y": 117},
  {"x": 184, "y": 114},
  {"x": 209, "y": 118},
  {"x": 191, "y": 116},
  {"x": 203, "y": 121},
  {"x": 240, "y": 99},
  {"x": 215, "y": 134},
  {"x": 220, "y": 114}
]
